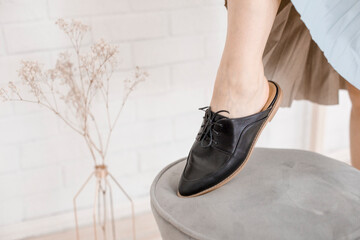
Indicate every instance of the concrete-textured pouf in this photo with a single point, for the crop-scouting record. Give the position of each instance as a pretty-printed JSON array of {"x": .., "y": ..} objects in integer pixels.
[{"x": 280, "y": 194}]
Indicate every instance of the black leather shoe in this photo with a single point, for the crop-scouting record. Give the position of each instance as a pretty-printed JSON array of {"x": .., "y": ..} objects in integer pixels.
[{"x": 223, "y": 146}]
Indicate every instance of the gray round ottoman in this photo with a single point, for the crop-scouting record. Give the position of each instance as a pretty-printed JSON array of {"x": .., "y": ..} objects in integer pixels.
[{"x": 280, "y": 194}]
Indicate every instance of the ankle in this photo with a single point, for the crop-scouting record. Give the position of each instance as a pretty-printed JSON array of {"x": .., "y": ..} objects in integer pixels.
[
  {"x": 241, "y": 97},
  {"x": 245, "y": 84},
  {"x": 249, "y": 76}
]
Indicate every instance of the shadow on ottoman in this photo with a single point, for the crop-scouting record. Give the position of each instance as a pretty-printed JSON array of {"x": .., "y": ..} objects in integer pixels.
[{"x": 280, "y": 194}]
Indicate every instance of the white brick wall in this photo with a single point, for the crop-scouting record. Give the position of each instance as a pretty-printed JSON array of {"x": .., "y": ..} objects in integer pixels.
[
  {"x": 131, "y": 26},
  {"x": 198, "y": 20},
  {"x": 39, "y": 36},
  {"x": 9, "y": 160},
  {"x": 144, "y": 5},
  {"x": 2, "y": 42},
  {"x": 69, "y": 8},
  {"x": 22, "y": 10},
  {"x": 179, "y": 42},
  {"x": 168, "y": 50},
  {"x": 11, "y": 210}
]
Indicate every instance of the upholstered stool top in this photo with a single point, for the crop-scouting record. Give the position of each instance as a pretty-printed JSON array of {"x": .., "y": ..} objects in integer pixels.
[{"x": 280, "y": 194}]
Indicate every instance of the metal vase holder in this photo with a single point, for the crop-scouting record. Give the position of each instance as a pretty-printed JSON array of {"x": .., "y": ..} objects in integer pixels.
[{"x": 103, "y": 190}]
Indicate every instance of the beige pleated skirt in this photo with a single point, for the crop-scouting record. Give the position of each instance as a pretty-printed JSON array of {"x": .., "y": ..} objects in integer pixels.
[{"x": 295, "y": 61}]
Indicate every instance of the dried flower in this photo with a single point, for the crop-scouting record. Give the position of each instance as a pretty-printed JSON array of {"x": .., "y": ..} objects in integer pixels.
[
  {"x": 73, "y": 27},
  {"x": 3, "y": 94},
  {"x": 139, "y": 76},
  {"x": 75, "y": 30},
  {"x": 69, "y": 89}
]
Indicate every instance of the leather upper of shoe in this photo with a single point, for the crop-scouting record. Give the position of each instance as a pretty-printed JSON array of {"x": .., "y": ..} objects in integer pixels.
[{"x": 221, "y": 146}]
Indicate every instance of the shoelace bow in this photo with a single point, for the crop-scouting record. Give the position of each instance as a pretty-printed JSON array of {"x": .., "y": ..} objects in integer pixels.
[{"x": 208, "y": 126}]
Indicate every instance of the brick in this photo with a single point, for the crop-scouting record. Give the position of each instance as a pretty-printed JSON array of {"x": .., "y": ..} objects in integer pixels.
[
  {"x": 187, "y": 126},
  {"x": 64, "y": 129},
  {"x": 119, "y": 163},
  {"x": 172, "y": 103},
  {"x": 46, "y": 204},
  {"x": 141, "y": 5},
  {"x": 116, "y": 90},
  {"x": 136, "y": 185},
  {"x": 74, "y": 177},
  {"x": 171, "y": 50},
  {"x": 123, "y": 162},
  {"x": 214, "y": 2},
  {"x": 9, "y": 158},
  {"x": 125, "y": 57},
  {"x": 130, "y": 27},
  {"x": 11, "y": 211},
  {"x": 198, "y": 20},
  {"x": 10, "y": 186},
  {"x": 214, "y": 45},
  {"x": 41, "y": 180},
  {"x": 24, "y": 108},
  {"x": 127, "y": 115},
  {"x": 69, "y": 8},
  {"x": 158, "y": 82},
  {"x": 6, "y": 109},
  {"x": 85, "y": 198},
  {"x": 130, "y": 136},
  {"x": 185, "y": 75},
  {"x": 22, "y": 10},
  {"x": 57, "y": 201},
  {"x": 156, "y": 157},
  {"x": 53, "y": 150},
  {"x": 2, "y": 43},
  {"x": 39, "y": 36},
  {"x": 22, "y": 129}
]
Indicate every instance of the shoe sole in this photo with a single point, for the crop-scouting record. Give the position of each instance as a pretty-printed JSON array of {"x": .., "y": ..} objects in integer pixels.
[{"x": 231, "y": 176}]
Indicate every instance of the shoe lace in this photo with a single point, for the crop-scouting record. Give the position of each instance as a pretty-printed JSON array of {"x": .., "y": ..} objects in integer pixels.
[{"x": 208, "y": 130}]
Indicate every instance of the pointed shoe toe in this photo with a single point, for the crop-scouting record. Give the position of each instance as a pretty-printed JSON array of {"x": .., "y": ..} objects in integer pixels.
[
  {"x": 222, "y": 147},
  {"x": 200, "y": 172}
]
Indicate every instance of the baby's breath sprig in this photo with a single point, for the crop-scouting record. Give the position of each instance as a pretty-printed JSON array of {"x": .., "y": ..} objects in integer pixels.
[{"x": 70, "y": 88}]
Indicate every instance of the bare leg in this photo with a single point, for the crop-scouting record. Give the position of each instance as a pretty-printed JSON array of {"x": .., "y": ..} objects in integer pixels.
[
  {"x": 354, "y": 94},
  {"x": 240, "y": 86}
]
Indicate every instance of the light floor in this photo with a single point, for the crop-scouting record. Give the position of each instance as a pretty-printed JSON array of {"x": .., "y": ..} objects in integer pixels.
[{"x": 146, "y": 229}]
